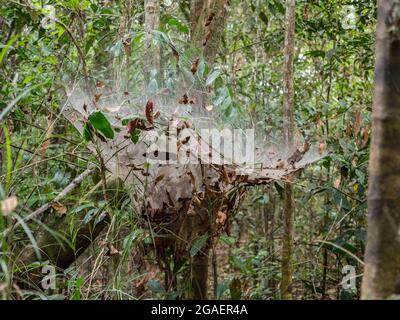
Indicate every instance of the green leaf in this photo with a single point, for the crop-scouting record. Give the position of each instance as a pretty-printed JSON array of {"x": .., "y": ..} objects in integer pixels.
[
  {"x": 78, "y": 285},
  {"x": 202, "y": 67},
  {"x": 211, "y": 78},
  {"x": 155, "y": 286},
  {"x": 341, "y": 200},
  {"x": 263, "y": 17},
  {"x": 221, "y": 95},
  {"x": 238, "y": 263},
  {"x": 101, "y": 123},
  {"x": 228, "y": 240},
  {"x": 198, "y": 244},
  {"x": 89, "y": 215},
  {"x": 87, "y": 132},
  {"x": 180, "y": 26},
  {"x": 128, "y": 241},
  {"x": 7, "y": 47},
  {"x": 279, "y": 187},
  {"x": 135, "y": 135},
  {"x": 236, "y": 289},
  {"x": 316, "y": 53},
  {"x": 221, "y": 288}
]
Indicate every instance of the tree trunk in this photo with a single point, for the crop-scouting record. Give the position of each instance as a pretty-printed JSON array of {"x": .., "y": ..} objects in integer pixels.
[
  {"x": 382, "y": 257},
  {"x": 200, "y": 276},
  {"x": 207, "y": 27},
  {"x": 288, "y": 106}
]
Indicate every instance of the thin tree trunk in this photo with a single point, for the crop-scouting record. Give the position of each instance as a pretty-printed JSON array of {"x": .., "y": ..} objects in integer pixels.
[
  {"x": 207, "y": 27},
  {"x": 288, "y": 106},
  {"x": 269, "y": 226},
  {"x": 200, "y": 276},
  {"x": 382, "y": 257}
]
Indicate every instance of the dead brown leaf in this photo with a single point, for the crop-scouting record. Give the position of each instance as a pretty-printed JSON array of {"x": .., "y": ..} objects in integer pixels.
[
  {"x": 136, "y": 124},
  {"x": 127, "y": 46},
  {"x": 365, "y": 136},
  {"x": 113, "y": 251},
  {"x": 191, "y": 212},
  {"x": 97, "y": 97},
  {"x": 149, "y": 112},
  {"x": 158, "y": 179},
  {"x": 194, "y": 66},
  {"x": 184, "y": 99},
  {"x": 59, "y": 208},
  {"x": 100, "y": 84},
  {"x": 175, "y": 53},
  {"x": 221, "y": 218},
  {"x": 322, "y": 147},
  {"x": 208, "y": 36}
]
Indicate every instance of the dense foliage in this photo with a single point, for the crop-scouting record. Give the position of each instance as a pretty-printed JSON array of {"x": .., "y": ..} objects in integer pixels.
[{"x": 41, "y": 152}]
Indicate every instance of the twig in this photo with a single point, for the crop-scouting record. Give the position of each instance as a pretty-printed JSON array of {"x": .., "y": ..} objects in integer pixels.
[
  {"x": 342, "y": 249},
  {"x": 79, "y": 49}
]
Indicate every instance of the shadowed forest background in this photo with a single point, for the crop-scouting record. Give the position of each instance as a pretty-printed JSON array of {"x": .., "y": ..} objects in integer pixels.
[{"x": 301, "y": 73}]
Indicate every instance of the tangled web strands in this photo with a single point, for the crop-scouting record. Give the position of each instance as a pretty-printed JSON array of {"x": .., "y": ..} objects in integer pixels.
[
  {"x": 156, "y": 143},
  {"x": 167, "y": 127}
]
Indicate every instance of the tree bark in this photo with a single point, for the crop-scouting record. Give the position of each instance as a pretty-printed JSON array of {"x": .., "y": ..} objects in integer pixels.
[
  {"x": 207, "y": 26},
  {"x": 200, "y": 276},
  {"x": 382, "y": 256},
  {"x": 288, "y": 107}
]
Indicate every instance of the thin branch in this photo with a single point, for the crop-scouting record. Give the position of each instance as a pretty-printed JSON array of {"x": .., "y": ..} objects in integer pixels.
[{"x": 67, "y": 190}]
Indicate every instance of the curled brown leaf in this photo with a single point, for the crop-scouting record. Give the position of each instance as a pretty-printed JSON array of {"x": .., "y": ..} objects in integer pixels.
[{"x": 149, "y": 111}]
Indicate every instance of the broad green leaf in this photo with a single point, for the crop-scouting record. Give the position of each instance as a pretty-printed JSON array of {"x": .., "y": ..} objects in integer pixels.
[
  {"x": 101, "y": 123},
  {"x": 181, "y": 27},
  {"x": 87, "y": 132}
]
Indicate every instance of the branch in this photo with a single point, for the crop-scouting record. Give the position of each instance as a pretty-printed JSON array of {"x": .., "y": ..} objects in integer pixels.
[{"x": 68, "y": 189}]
